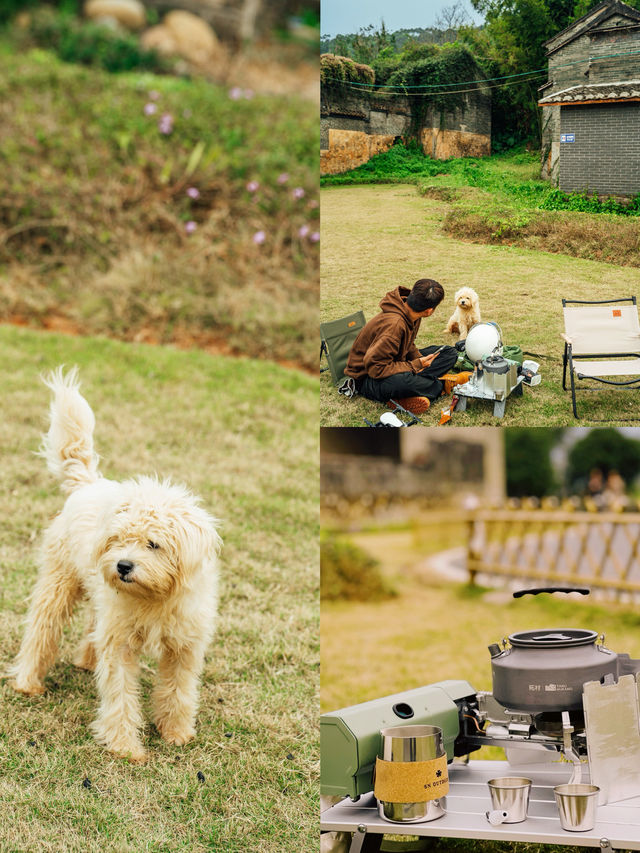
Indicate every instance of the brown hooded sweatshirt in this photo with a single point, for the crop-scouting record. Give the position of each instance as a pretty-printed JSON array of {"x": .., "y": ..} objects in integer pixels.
[{"x": 385, "y": 346}]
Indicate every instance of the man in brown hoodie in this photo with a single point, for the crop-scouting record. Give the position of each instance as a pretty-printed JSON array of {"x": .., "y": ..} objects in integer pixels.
[{"x": 384, "y": 362}]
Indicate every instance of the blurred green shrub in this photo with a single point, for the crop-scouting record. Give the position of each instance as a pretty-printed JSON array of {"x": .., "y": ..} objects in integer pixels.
[
  {"x": 349, "y": 573},
  {"x": 528, "y": 458},
  {"x": 88, "y": 43}
]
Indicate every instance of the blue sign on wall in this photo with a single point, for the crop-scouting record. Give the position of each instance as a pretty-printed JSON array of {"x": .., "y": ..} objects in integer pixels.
[{"x": 567, "y": 137}]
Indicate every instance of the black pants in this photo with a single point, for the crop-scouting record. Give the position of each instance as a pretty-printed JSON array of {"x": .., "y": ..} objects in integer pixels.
[{"x": 423, "y": 384}]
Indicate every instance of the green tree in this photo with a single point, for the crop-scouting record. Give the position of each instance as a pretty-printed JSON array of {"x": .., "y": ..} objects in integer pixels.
[
  {"x": 512, "y": 42},
  {"x": 606, "y": 449},
  {"x": 528, "y": 461},
  {"x": 342, "y": 46}
]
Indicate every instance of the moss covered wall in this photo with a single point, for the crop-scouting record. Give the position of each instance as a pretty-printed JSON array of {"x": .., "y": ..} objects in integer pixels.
[{"x": 355, "y": 126}]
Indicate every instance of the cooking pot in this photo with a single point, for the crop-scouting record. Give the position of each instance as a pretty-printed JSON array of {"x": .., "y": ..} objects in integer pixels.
[{"x": 545, "y": 670}]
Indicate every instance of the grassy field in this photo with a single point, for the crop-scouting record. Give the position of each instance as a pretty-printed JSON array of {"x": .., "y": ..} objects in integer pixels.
[
  {"x": 377, "y": 237},
  {"x": 435, "y": 630},
  {"x": 218, "y": 425},
  {"x": 502, "y": 200},
  {"x": 200, "y": 231},
  {"x": 410, "y": 639}
]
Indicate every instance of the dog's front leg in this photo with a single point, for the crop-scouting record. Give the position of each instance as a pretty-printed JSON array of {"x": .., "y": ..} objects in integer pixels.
[
  {"x": 175, "y": 697},
  {"x": 117, "y": 674}
]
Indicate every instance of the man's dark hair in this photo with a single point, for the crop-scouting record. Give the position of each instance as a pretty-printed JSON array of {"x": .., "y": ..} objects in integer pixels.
[{"x": 425, "y": 293}]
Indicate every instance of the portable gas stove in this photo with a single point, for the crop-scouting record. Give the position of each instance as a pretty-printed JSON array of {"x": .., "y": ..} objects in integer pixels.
[
  {"x": 535, "y": 711},
  {"x": 494, "y": 376}
]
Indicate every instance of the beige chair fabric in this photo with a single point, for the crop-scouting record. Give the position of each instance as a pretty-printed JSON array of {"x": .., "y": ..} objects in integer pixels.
[
  {"x": 602, "y": 329},
  {"x": 623, "y": 367},
  {"x": 610, "y": 330}
]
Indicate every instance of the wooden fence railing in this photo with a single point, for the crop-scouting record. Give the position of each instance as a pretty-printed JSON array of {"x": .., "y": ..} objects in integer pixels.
[{"x": 599, "y": 550}]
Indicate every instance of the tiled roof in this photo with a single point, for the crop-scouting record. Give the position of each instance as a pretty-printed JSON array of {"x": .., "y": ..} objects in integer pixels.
[{"x": 622, "y": 91}]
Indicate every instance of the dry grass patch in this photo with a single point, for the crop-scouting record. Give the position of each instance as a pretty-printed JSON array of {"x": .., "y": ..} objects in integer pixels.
[{"x": 611, "y": 239}]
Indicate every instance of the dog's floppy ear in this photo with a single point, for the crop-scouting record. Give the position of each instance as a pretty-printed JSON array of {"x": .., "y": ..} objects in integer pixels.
[
  {"x": 106, "y": 531},
  {"x": 199, "y": 539}
]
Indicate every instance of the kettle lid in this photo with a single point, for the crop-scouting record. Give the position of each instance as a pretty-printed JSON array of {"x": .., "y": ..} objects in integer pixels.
[{"x": 553, "y": 638}]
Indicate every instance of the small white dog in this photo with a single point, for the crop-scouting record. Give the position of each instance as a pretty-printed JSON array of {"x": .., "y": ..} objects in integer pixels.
[
  {"x": 144, "y": 553},
  {"x": 466, "y": 313}
]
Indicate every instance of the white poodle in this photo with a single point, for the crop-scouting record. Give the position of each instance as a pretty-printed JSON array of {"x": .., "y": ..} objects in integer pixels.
[
  {"x": 466, "y": 313},
  {"x": 144, "y": 553}
]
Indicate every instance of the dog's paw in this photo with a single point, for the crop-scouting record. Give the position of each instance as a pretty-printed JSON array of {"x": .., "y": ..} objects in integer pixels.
[
  {"x": 138, "y": 757},
  {"x": 133, "y": 752},
  {"x": 28, "y": 688},
  {"x": 176, "y": 735},
  {"x": 85, "y": 658}
]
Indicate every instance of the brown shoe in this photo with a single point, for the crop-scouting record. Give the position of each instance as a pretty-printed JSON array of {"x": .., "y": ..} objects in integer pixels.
[
  {"x": 415, "y": 405},
  {"x": 452, "y": 379}
]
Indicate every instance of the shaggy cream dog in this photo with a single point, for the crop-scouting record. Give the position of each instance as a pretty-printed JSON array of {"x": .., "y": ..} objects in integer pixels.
[
  {"x": 466, "y": 313},
  {"x": 144, "y": 553}
]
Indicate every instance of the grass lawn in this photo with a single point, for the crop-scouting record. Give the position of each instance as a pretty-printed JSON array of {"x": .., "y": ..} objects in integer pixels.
[
  {"x": 434, "y": 630},
  {"x": 242, "y": 435},
  {"x": 377, "y": 237}
]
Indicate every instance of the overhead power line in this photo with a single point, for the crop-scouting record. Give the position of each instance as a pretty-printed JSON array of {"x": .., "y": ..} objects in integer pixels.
[
  {"x": 382, "y": 93},
  {"x": 538, "y": 71}
]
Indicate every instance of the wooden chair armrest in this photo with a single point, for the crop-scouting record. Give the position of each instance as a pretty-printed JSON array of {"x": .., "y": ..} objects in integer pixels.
[{"x": 566, "y": 339}]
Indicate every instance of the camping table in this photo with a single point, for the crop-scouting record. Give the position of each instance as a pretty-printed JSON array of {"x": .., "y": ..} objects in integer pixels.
[
  {"x": 471, "y": 392},
  {"x": 617, "y": 825}
]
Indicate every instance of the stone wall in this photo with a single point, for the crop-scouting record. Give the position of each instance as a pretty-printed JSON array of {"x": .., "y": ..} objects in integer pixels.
[{"x": 355, "y": 126}]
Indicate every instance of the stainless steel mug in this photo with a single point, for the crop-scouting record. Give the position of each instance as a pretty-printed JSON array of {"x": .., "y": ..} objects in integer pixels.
[
  {"x": 408, "y": 744},
  {"x": 510, "y": 794},
  {"x": 577, "y": 806}
]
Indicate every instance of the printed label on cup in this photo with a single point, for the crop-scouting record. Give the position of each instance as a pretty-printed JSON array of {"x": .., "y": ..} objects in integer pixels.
[{"x": 411, "y": 781}]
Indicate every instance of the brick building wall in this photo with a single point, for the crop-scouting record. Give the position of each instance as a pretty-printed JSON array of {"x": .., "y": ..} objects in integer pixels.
[
  {"x": 605, "y": 157},
  {"x": 600, "y": 49}
]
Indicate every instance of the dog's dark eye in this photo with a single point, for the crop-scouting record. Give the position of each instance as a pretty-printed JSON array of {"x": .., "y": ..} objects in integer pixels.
[{"x": 152, "y": 545}]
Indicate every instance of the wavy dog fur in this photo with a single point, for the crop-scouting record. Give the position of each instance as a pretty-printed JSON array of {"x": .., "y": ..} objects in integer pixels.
[
  {"x": 145, "y": 554},
  {"x": 466, "y": 312}
]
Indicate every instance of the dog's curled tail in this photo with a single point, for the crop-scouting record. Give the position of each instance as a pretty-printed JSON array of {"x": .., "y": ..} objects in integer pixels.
[{"x": 68, "y": 445}]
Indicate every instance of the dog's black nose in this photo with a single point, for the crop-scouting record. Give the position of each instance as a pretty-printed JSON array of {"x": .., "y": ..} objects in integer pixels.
[{"x": 124, "y": 567}]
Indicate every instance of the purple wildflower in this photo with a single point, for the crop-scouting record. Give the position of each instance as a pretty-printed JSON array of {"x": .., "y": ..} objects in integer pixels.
[
  {"x": 235, "y": 93},
  {"x": 253, "y": 186},
  {"x": 314, "y": 236},
  {"x": 165, "y": 125},
  {"x": 150, "y": 109},
  {"x": 283, "y": 178},
  {"x": 193, "y": 192},
  {"x": 190, "y": 226},
  {"x": 313, "y": 204},
  {"x": 303, "y": 231},
  {"x": 259, "y": 237},
  {"x": 154, "y": 95},
  {"x": 298, "y": 193}
]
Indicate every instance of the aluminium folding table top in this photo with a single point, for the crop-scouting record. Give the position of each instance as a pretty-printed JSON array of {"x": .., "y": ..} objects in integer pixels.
[{"x": 617, "y": 824}]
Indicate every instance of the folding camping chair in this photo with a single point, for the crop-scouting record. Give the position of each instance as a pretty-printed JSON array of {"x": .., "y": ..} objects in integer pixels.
[
  {"x": 605, "y": 330},
  {"x": 337, "y": 337}
]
